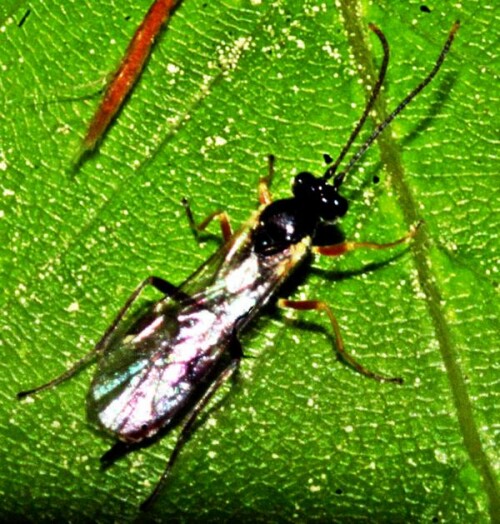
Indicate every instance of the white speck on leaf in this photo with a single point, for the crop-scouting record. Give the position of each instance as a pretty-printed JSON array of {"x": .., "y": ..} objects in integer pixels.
[{"x": 74, "y": 306}]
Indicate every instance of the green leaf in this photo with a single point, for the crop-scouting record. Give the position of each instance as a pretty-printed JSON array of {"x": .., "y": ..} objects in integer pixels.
[{"x": 301, "y": 437}]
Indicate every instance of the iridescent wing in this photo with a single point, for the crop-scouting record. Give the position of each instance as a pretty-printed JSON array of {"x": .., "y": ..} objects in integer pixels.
[
  {"x": 147, "y": 377},
  {"x": 149, "y": 374}
]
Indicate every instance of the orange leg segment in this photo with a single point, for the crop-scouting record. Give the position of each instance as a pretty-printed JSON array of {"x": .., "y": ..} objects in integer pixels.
[
  {"x": 318, "y": 305},
  {"x": 344, "y": 247},
  {"x": 223, "y": 217},
  {"x": 265, "y": 182}
]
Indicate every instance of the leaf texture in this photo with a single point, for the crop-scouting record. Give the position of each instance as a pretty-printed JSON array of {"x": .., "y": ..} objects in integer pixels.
[{"x": 300, "y": 437}]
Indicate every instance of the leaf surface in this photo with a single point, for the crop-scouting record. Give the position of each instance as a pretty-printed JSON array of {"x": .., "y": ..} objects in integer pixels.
[{"x": 301, "y": 437}]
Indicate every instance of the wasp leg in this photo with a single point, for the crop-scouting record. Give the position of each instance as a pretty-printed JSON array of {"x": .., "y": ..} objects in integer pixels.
[
  {"x": 225, "y": 224},
  {"x": 116, "y": 452},
  {"x": 187, "y": 427},
  {"x": 236, "y": 349},
  {"x": 318, "y": 305},
  {"x": 162, "y": 285},
  {"x": 336, "y": 250},
  {"x": 264, "y": 183},
  {"x": 344, "y": 247}
]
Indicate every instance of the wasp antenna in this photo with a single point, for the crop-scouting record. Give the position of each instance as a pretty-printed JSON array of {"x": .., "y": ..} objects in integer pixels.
[
  {"x": 376, "y": 132},
  {"x": 369, "y": 106}
]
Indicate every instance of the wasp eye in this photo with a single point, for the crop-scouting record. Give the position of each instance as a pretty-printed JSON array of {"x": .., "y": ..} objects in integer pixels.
[
  {"x": 342, "y": 205},
  {"x": 305, "y": 186},
  {"x": 332, "y": 205}
]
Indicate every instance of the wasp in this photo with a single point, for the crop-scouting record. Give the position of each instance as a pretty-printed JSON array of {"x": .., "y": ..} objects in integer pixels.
[{"x": 162, "y": 368}]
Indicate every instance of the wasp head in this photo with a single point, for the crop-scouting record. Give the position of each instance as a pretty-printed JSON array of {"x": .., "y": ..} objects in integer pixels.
[{"x": 287, "y": 221}]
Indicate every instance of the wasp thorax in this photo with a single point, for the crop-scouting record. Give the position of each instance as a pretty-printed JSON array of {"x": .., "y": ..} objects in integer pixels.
[
  {"x": 280, "y": 225},
  {"x": 319, "y": 197}
]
